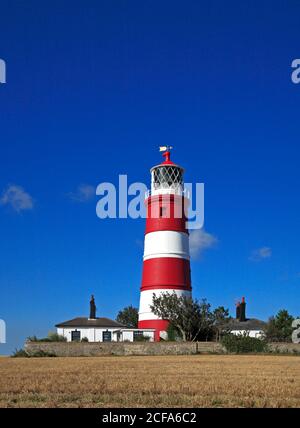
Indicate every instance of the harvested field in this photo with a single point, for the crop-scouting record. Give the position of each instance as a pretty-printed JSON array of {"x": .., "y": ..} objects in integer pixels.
[{"x": 164, "y": 381}]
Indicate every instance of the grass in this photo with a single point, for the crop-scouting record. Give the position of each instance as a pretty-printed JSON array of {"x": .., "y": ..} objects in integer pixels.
[{"x": 166, "y": 381}]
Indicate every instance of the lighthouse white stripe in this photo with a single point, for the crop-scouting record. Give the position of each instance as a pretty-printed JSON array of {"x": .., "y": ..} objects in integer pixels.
[
  {"x": 146, "y": 299},
  {"x": 166, "y": 243}
]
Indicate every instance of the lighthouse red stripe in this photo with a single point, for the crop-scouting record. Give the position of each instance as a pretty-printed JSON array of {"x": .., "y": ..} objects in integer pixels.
[
  {"x": 166, "y": 212},
  {"x": 166, "y": 272},
  {"x": 166, "y": 287},
  {"x": 160, "y": 224},
  {"x": 159, "y": 325}
]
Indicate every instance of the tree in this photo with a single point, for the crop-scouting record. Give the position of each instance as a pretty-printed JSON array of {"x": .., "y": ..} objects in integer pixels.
[
  {"x": 173, "y": 333},
  {"x": 221, "y": 318},
  {"x": 190, "y": 317},
  {"x": 128, "y": 317},
  {"x": 279, "y": 328},
  {"x": 206, "y": 322}
]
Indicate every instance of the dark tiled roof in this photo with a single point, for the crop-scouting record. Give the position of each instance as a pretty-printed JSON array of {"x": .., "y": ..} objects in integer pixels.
[
  {"x": 86, "y": 322},
  {"x": 249, "y": 324}
]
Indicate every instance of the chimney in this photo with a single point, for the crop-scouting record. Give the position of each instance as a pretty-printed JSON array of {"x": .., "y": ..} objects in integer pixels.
[
  {"x": 243, "y": 310},
  {"x": 92, "y": 308},
  {"x": 238, "y": 310}
]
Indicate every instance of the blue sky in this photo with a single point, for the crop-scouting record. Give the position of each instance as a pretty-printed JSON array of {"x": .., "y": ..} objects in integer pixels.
[{"x": 93, "y": 88}]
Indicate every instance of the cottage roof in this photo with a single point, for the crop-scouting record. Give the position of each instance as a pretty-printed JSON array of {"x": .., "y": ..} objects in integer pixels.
[
  {"x": 88, "y": 322},
  {"x": 249, "y": 324}
]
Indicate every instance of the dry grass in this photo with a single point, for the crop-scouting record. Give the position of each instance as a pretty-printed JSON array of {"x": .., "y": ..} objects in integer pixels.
[{"x": 167, "y": 381}]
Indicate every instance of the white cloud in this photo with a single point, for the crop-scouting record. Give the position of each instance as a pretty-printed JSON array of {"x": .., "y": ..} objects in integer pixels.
[
  {"x": 83, "y": 193},
  {"x": 201, "y": 241},
  {"x": 17, "y": 198},
  {"x": 261, "y": 254}
]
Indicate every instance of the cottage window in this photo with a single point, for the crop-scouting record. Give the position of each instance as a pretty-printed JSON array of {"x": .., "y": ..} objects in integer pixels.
[
  {"x": 106, "y": 336},
  {"x": 75, "y": 336}
]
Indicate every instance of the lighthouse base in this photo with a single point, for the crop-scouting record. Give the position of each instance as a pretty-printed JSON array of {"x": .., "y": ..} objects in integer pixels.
[{"x": 160, "y": 326}]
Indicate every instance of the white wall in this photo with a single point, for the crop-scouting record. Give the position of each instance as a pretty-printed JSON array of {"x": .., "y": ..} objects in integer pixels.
[
  {"x": 96, "y": 334},
  {"x": 93, "y": 334},
  {"x": 127, "y": 335}
]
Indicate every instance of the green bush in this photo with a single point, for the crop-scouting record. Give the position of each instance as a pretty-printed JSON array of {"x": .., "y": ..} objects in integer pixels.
[
  {"x": 52, "y": 337},
  {"x": 243, "y": 344},
  {"x": 20, "y": 353},
  {"x": 84, "y": 339},
  {"x": 141, "y": 338},
  {"x": 32, "y": 339}
]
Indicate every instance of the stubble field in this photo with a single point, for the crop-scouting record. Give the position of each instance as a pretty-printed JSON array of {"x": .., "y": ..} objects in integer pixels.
[{"x": 166, "y": 381}]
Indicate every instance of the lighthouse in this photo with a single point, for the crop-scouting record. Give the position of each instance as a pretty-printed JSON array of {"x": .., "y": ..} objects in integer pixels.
[{"x": 166, "y": 261}]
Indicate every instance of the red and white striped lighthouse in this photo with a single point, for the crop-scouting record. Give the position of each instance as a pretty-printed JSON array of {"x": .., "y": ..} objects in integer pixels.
[{"x": 166, "y": 265}]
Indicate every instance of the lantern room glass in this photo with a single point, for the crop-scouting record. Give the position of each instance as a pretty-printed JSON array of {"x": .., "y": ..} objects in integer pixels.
[{"x": 167, "y": 177}]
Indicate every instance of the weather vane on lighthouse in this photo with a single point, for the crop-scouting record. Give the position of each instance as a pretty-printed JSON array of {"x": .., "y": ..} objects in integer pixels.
[
  {"x": 166, "y": 152},
  {"x": 165, "y": 148}
]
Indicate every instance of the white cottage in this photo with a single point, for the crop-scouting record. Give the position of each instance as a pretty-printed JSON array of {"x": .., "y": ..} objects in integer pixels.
[
  {"x": 95, "y": 329},
  {"x": 100, "y": 330}
]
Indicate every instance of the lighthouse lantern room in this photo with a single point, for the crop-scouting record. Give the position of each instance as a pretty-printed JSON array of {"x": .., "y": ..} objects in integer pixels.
[{"x": 166, "y": 266}]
